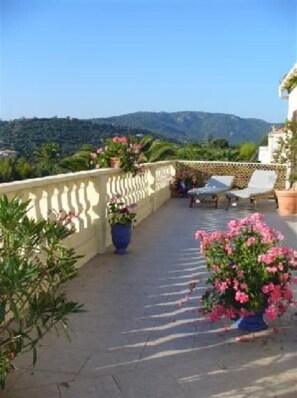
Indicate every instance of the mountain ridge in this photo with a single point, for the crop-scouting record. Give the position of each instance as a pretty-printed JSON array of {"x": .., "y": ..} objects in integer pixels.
[{"x": 194, "y": 125}]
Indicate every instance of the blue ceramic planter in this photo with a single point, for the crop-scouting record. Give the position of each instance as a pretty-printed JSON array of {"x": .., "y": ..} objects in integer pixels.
[
  {"x": 252, "y": 323},
  {"x": 121, "y": 237}
]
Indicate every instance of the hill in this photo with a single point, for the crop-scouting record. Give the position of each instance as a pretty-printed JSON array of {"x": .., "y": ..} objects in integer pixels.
[
  {"x": 26, "y": 135},
  {"x": 194, "y": 126}
]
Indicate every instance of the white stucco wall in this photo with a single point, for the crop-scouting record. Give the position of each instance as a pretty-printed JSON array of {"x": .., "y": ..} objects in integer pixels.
[{"x": 263, "y": 154}]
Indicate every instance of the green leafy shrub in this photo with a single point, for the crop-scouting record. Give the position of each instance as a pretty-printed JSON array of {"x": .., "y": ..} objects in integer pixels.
[
  {"x": 287, "y": 150},
  {"x": 33, "y": 266}
]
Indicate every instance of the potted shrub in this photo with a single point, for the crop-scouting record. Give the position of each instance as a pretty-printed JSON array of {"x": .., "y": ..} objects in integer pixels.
[
  {"x": 119, "y": 152},
  {"x": 34, "y": 264},
  {"x": 287, "y": 154},
  {"x": 121, "y": 218},
  {"x": 250, "y": 273},
  {"x": 182, "y": 182}
]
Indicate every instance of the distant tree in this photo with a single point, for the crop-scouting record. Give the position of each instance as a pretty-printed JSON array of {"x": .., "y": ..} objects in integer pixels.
[
  {"x": 221, "y": 143},
  {"x": 161, "y": 150},
  {"x": 48, "y": 159},
  {"x": 247, "y": 150},
  {"x": 146, "y": 142},
  {"x": 23, "y": 169},
  {"x": 79, "y": 161},
  {"x": 190, "y": 152},
  {"x": 6, "y": 169}
]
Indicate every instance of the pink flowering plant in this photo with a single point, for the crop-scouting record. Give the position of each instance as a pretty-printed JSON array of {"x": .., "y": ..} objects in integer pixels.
[
  {"x": 63, "y": 217},
  {"x": 249, "y": 270},
  {"x": 129, "y": 154},
  {"x": 119, "y": 213}
]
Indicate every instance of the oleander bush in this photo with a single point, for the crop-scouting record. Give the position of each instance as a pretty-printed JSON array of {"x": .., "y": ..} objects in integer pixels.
[{"x": 34, "y": 264}]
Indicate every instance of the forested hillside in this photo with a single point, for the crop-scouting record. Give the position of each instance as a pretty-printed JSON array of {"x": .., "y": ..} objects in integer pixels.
[
  {"x": 27, "y": 135},
  {"x": 195, "y": 126}
]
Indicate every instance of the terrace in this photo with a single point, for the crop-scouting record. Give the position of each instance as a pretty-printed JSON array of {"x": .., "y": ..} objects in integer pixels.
[{"x": 141, "y": 335}]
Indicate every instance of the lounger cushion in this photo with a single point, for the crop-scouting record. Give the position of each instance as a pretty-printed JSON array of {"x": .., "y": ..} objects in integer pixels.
[
  {"x": 264, "y": 179},
  {"x": 261, "y": 183},
  {"x": 215, "y": 185}
]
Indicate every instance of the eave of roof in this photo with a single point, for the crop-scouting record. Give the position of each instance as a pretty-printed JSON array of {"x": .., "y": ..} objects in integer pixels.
[{"x": 291, "y": 74}]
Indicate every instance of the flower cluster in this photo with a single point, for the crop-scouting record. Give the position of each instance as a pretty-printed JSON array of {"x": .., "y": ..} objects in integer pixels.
[
  {"x": 128, "y": 154},
  {"x": 183, "y": 181},
  {"x": 62, "y": 217},
  {"x": 249, "y": 270},
  {"x": 119, "y": 213}
]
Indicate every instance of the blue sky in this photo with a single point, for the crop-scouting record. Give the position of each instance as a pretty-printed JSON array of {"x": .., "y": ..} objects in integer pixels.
[{"x": 96, "y": 58}]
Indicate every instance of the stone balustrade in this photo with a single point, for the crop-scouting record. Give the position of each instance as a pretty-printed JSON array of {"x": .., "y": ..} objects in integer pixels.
[{"x": 87, "y": 193}]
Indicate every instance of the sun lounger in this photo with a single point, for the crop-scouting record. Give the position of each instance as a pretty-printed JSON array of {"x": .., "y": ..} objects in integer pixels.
[
  {"x": 215, "y": 186},
  {"x": 261, "y": 185}
]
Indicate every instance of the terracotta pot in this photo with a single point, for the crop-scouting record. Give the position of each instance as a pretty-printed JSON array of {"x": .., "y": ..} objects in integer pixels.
[
  {"x": 287, "y": 202},
  {"x": 115, "y": 162}
]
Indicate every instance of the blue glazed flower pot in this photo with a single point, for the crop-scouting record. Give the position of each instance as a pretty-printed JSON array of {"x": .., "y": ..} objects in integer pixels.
[
  {"x": 252, "y": 323},
  {"x": 121, "y": 237}
]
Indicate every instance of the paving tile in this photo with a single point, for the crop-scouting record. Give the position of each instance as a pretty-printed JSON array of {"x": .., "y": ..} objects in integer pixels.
[
  {"x": 40, "y": 392},
  {"x": 109, "y": 363},
  {"x": 96, "y": 387},
  {"x": 152, "y": 384},
  {"x": 65, "y": 359},
  {"x": 12, "y": 379},
  {"x": 35, "y": 378},
  {"x": 142, "y": 335}
]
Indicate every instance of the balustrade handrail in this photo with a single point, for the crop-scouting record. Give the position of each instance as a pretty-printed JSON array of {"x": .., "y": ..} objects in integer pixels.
[{"x": 88, "y": 192}]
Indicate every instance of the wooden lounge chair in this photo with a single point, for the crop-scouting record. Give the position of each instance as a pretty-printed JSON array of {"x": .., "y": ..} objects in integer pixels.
[
  {"x": 215, "y": 186},
  {"x": 261, "y": 185}
]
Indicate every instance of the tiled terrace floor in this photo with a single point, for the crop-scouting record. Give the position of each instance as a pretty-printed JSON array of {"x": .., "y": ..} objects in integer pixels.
[{"x": 137, "y": 341}]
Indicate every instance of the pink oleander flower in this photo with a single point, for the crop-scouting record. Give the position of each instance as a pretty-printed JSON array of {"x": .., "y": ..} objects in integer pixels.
[
  {"x": 271, "y": 312},
  {"x": 241, "y": 297},
  {"x": 215, "y": 268},
  {"x": 129, "y": 155},
  {"x": 272, "y": 269},
  {"x": 275, "y": 294},
  {"x": 249, "y": 270},
  {"x": 243, "y": 286},
  {"x": 221, "y": 286},
  {"x": 235, "y": 284},
  {"x": 280, "y": 266},
  {"x": 265, "y": 289},
  {"x": 251, "y": 241},
  {"x": 284, "y": 277},
  {"x": 240, "y": 274},
  {"x": 281, "y": 308},
  {"x": 287, "y": 293}
]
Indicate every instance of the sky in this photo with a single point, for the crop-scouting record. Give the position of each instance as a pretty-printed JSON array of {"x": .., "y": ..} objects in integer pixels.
[{"x": 100, "y": 58}]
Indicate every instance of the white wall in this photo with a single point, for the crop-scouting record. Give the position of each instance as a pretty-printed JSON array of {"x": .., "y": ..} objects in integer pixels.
[{"x": 263, "y": 154}]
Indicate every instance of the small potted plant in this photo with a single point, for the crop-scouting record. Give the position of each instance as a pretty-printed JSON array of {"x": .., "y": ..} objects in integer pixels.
[
  {"x": 250, "y": 273},
  {"x": 182, "y": 182},
  {"x": 119, "y": 152},
  {"x": 287, "y": 154},
  {"x": 121, "y": 218}
]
